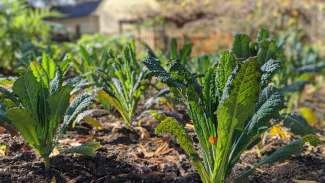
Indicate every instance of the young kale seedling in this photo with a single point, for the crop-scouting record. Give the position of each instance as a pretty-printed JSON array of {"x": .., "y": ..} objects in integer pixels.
[
  {"x": 123, "y": 82},
  {"x": 38, "y": 104}
]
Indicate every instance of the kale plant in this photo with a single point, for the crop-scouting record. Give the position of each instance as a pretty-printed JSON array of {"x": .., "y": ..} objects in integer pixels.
[
  {"x": 230, "y": 109},
  {"x": 38, "y": 103},
  {"x": 123, "y": 81}
]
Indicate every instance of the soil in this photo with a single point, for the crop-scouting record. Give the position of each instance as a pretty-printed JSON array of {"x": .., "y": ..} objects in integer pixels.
[
  {"x": 126, "y": 157},
  {"x": 138, "y": 156}
]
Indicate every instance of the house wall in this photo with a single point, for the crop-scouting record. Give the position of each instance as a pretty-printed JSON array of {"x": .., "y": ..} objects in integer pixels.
[
  {"x": 111, "y": 12},
  {"x": 88, "y": 24}
]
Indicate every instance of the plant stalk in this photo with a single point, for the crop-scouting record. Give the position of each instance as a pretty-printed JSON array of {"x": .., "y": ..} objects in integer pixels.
[{"x": 46, "y": 163}]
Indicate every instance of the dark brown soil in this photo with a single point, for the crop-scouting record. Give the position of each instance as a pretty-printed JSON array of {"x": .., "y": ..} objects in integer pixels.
[
  {"x": 300, "y": 168},
  {"x": 125, "y": 157}
]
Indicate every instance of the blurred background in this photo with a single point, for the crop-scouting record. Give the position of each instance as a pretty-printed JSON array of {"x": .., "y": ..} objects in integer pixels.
[
  {"x": 208, "y": 22},
  {"x": 30, "y": 28}
]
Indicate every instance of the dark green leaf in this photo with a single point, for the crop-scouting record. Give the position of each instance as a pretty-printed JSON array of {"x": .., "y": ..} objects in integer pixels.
[
  {"x": 268, "y": 70},
  {"x": 56, "y": 83},
  {"x": 87, "y": 149},
  {"x": 269, "y": 104},
  {"x": 239, "y": 97},
  {"x": 240, "y": 47},
  {"x": 296, "y": 86},
  {"x": 226, "y": 65},
  {"x": 237, "y": 104},
  {"x": 25, "y": 124},
  {"x": 311, "y": 68},
  {"x": 58, "y": 103},
  {"x": 298, "y": 125},
  {"x": 7, "y": 94},
  {"x": 27, "y": 89},
  {"x": 157, "y": 70},
  {"x": 263, "y": 34},
  {"x": 77, "y": 106}
]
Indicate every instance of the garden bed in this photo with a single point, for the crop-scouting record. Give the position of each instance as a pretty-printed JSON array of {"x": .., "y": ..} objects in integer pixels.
[{"x": 126, "y": 157}]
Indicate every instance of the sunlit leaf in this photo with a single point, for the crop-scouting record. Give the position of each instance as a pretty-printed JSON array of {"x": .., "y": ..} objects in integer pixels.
[
  {"x": 93, "y": 122},
  {"x": 278, "y": 131},
  {"x": 87, "y": 149},
  {"x": 3, "y": 150},
  {"x": 114, "y": 103},
  {"x": 309, "y": 115},
  {"x": 171, "y": 126}
]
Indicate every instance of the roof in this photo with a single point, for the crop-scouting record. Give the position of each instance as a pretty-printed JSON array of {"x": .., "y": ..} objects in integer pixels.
[{"x": 79, "y": 9}]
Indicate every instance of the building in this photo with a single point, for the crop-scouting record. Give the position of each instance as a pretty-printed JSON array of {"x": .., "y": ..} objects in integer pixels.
[
  {"x": 104, "y": 16},
  {"x": 114, "y": 17}
]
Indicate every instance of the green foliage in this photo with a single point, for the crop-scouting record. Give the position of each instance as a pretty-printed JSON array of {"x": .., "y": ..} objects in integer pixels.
[
  {"x": 123, "y": 82},
  {"x": 77, "y": 106},
  {"x": 39, "y": 101},
  {"x": 241, "y": 47},
  {"x": 87, "y": 63},
  {"x": 201, "y": 64},
  {"x": 23, "y": 35},
  {"x": 88, "y": 149},
  {"x": 41, "y": 109},
  {"x": 98, "y": 43},
  {"x": 232, "y": 105},
  {"x": 44, "y": 72},
  {"x": 237, "y": 104},
  {"x": 303, "y": 62},
  {"x": 298, "y": 125},
  {"x": 183, "y": 54},
  {"x": 90, "y": 52},
  {"x": 171, "y": 126},
  {"x": 312, "y": 140},
  {"x": 225, "y": 67}
]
